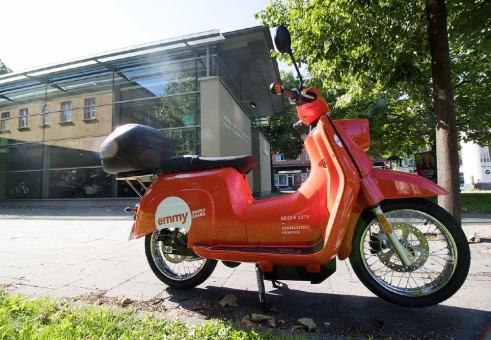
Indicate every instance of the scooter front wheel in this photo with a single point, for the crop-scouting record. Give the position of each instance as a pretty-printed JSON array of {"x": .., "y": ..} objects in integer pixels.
[
  {"x": 178, "y": 271},
  {"x": 437, "y": 246}
]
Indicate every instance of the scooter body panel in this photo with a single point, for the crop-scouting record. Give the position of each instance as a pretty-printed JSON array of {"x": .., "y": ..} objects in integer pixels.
[
  {"x": 215, "y": 201},
  {"x": 306, "y": 227}
]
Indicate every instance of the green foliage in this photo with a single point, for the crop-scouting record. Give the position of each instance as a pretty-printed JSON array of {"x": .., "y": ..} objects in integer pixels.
[
  {"x": 279, "y": 132},
  {"x": 373, "y": 59},
  {"x": 470, "y": 48},
  {"x": 3, "y": 68},
  {"x": 43, "y": 318},
  {"x": 180, "y": 113}
]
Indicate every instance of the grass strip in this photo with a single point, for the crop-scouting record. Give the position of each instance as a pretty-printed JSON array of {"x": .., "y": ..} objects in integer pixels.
[
  {"x": 472, "y": 202},
  {"x": 43, "y": 318}
]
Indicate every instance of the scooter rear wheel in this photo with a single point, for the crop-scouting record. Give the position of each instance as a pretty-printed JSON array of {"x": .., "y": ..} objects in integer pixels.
[
  {"x": 177, "y": 271},
  {"x": 437, "y": 245}
]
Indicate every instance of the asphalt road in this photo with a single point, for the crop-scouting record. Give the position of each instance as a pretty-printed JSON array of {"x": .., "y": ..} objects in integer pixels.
[{"x": 84, "y": 252}]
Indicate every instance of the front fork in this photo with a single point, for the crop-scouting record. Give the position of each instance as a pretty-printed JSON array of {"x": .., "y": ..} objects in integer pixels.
[{"x": 403, "y": 254}]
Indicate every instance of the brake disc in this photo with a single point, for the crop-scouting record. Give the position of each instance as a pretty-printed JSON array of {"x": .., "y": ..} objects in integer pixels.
[
  {"x": 168, "y": 247},
  {"x": 410, "y": 238}
]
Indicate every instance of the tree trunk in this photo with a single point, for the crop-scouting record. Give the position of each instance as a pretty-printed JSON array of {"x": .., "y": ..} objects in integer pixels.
[{"x": 446, "y": 122}]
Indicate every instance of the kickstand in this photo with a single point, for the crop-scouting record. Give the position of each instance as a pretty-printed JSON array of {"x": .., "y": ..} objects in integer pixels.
[{"x": 261, "y": 289}]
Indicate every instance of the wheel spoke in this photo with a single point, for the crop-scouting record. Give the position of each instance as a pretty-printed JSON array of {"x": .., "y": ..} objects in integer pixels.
[
  {"x": 432, "y": 257},
  {"x": 175, "y": 267}
]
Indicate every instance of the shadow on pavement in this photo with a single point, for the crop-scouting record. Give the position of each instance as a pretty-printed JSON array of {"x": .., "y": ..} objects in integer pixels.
[{"x": 347, "y": 315}]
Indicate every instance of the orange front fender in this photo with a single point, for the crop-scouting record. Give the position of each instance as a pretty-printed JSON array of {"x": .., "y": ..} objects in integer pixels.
[{"x": 380, "y": 185}]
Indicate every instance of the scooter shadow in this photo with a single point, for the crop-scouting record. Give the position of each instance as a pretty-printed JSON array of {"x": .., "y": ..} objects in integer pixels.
[{"x": 335, "y": 314}]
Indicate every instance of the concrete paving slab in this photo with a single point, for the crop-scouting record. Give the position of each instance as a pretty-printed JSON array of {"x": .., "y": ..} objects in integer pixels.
[
  {"x": 138, "y": 291},
  {"x": 31, "y": 291},
  {"x": 69, "y": 292},
  {"x": 89, "y": 267},
  {"x": 105, "y": 280},
  {"x": 55, "y": 280}
]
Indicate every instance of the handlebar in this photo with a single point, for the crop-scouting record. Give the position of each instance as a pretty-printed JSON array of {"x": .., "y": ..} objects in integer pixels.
[{"x": 296, "y": 96}]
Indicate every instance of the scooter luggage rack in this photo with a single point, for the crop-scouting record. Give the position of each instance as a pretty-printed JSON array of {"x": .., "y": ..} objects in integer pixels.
[{"x": 139, "y": 179}]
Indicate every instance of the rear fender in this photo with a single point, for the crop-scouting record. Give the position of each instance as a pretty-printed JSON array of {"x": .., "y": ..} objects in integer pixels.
[
  {"x": 188, "y": 209},
  {"x": 380, "y": 185}
]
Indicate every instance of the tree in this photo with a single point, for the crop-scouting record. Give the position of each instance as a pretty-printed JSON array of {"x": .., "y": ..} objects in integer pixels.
[
  {"x": 374, "y": 57},
  {"x": 179, "y": 111},
  {"x": 279, "y": 131},
  {"x": 3, "y": 68}
]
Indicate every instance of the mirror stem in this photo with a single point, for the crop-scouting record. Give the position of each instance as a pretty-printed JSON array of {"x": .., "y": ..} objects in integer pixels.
[{"x": 296, "y": 68}]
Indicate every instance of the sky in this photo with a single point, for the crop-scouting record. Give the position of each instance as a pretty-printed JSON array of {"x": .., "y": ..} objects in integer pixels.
[{"x": 36, "y": 33}]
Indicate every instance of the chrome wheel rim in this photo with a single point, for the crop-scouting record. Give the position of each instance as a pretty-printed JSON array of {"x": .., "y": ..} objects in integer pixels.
[
  {"x": 175, "y": 267},
  {"x": 433, "y": 250}
]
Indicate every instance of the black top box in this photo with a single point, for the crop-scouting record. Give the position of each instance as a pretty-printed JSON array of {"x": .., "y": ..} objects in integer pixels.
[{"x": 135, "y": 150}]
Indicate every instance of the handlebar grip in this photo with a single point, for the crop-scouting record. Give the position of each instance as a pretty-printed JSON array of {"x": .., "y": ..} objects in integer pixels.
[
  {"x": 277, "y": 88},
  {"x": 297, "y": 125}
]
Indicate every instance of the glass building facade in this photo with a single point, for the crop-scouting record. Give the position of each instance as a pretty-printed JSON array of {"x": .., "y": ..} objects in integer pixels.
[{"x": 54, "y": 119}]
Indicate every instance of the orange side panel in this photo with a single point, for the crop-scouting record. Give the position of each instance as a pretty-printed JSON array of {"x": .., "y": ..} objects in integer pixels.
[
  {"x": 216, "y": 199},
  {"x": 290, "y": 220},
  {"x": 344, "y": 185}
]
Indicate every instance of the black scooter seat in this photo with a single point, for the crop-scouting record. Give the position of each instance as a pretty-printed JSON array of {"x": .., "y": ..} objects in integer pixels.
[{"x": 176, "y": 164}]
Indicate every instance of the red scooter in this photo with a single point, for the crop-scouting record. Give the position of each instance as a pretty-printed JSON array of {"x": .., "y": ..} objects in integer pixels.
[{"x": 198, "y": 210}]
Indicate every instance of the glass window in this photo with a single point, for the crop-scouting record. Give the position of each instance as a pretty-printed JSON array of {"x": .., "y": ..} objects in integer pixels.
[
  {"x": 307, "y": 157},
  {"x": 79, "y": 183},
  {"x": 74, "y": 153},
  {"x": 23, "y": 118},
  {"x": 66, "y": 115},
  {"x": 297, "y": 179},
  {"x": 21, "y": 185},
  {"x": 279, "y": 158},
  {"x": 45, "y": 114},
  {"x": 5, "y": 121},
  {"x": 21, "y": 157},
  {"x": 485, "y": 155},
  {"x": 89, "y": 108},
  {"x": 281, "y": 180}
]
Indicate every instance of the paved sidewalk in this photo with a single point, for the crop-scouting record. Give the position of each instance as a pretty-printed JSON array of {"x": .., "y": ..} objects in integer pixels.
[{"x": 84, "y": 252}]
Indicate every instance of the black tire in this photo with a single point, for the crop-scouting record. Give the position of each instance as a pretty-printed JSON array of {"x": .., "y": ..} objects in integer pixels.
[
  {"x": 161, "y": 265},
  {"x": 412, "y": 220}
]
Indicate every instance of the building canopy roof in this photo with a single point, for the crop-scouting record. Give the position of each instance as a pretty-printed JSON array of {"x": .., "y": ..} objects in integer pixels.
[{"x": 246, "y": 53}]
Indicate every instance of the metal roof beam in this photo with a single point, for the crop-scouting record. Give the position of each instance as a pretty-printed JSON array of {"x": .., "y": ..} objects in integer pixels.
[
  {"x": 6, "y": 98},
  {"x": 46, "y": 81},
  {"x": 112, "y": 68}
]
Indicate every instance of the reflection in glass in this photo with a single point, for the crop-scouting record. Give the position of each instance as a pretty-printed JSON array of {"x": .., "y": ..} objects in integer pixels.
[
  {"x": 20, "y": 185},
  {"x": 67, "y": 112},
  {"x": 89, "y": 108},
  {"x": 21, "y": 157},
  {"x": 5, "y": 121},
  {"x": 79, "y": 183},
  {"x": 22, "y": 118}
]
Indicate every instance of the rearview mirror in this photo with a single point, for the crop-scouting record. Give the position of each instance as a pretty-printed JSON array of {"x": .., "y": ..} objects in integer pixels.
[{"x": 282, "y": 39}]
